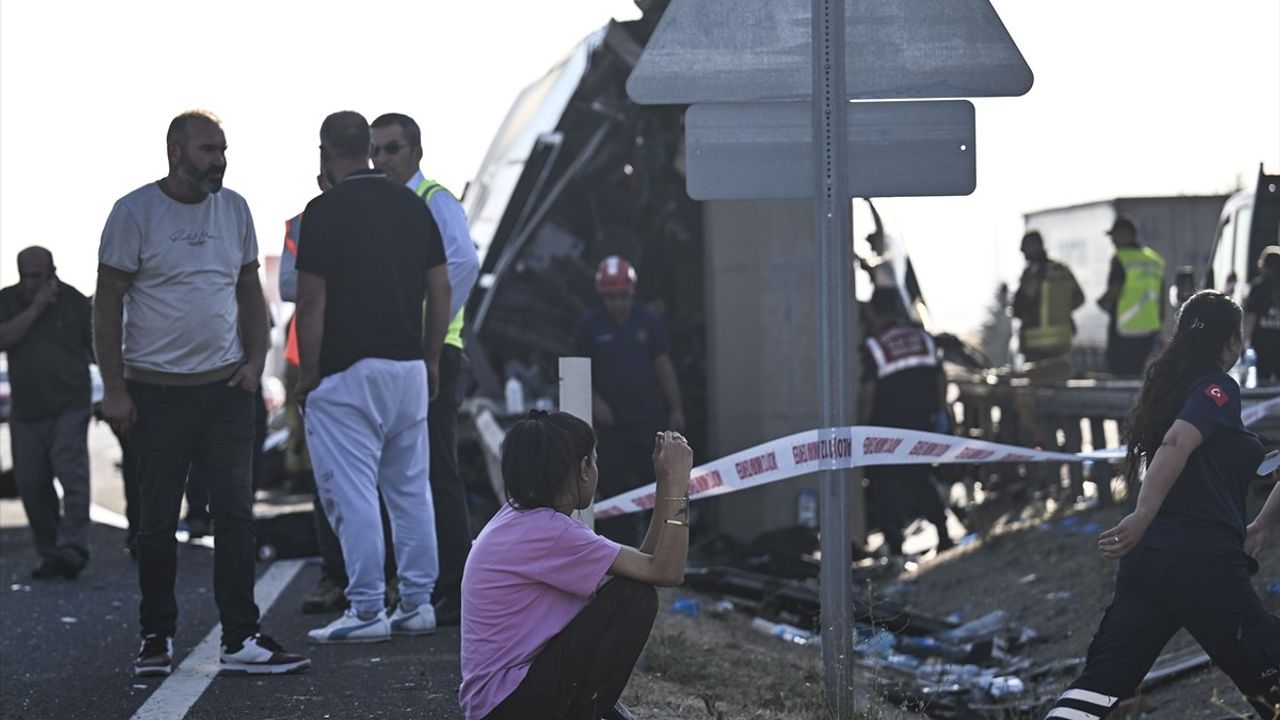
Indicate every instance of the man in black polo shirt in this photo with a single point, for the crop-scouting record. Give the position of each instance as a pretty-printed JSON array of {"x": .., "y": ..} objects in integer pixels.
[
  {"x": 46, "y": 330},
  {"x": 369, "y": 255}
]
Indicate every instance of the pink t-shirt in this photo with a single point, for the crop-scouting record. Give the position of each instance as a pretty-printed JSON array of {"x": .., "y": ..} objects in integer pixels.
[{"x": 529, "y": 574}]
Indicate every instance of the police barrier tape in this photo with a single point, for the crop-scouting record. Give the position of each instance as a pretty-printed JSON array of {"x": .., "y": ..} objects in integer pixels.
[
  {"x": 859, "y": 446},
  {"x": 1257, "y": 411}
]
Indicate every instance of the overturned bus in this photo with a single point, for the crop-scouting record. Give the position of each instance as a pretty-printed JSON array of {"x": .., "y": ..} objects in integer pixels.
[{"x": 578, "y": 172}]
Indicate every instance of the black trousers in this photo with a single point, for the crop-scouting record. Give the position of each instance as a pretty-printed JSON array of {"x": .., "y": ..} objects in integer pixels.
[
  {"x": 211, "y": 428},
  {"x": 895, "y": 493},
  {"x": 1157, "y": 593},
  {"x": 1128, "y": 355},
  {"x": 449, "y": 494},
  {"x": 626, "y": 462},
  {"x": 583, "y": 670},
  {"x": 132, "y": 488}
]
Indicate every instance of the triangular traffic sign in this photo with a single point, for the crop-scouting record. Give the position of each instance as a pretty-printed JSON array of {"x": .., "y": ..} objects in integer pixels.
[{"x": 752, "y": 50}]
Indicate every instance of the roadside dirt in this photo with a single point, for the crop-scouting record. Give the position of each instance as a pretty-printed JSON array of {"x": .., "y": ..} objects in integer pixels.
[{"x": 1042, "y": 568}]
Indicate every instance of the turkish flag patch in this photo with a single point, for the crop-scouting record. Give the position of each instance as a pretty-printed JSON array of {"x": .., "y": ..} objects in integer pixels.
[{"x": 1217, "y": 394}]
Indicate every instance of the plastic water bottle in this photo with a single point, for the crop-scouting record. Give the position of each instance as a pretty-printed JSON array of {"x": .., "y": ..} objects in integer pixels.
[
  {"x": 1250, "y": 368},
  {"x": 687, "y": 606},
  {"x": 1004, "y": 686},
  {"x": 790, "y": 633},
  {"x": 807, "y": 508},
  {"x": 514, "y": 391}
]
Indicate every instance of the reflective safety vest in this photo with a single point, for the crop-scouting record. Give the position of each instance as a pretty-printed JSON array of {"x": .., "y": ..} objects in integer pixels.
[
  {"x": 1138, "y": 309},
  {"x": 901, "y": 347},
  {"x": 1052, "y": 334},
  {"x": 292, "y": 230},
  {"x": 453, "y": 336}
]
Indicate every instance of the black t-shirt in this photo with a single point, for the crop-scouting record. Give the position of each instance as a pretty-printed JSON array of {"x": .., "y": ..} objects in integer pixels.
[
  {"x": 372, "y": 240},
  {"x": 903, "y": 363},
  {"x": 1205, "y": 510},
  {"x": 1261, "y": 302},
  {"x": 49, "y": 368}
]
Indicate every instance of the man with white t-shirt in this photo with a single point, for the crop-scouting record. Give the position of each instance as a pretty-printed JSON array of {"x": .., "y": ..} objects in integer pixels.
[{"x": 180, "y": 330}]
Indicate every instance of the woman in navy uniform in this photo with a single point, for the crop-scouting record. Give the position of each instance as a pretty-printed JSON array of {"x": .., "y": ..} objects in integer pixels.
[{"x": 1187, "y": 550}]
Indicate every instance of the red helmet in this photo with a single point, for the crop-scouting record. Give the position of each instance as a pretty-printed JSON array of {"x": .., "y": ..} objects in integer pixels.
[{"x": 615, "y": 274}]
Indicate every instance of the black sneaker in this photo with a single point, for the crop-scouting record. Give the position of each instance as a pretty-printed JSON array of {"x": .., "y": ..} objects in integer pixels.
[
  {"x": 448, "y": 611},
  {"x": 155, "y": 657},
  {"x": 325, "y": 597},
  {"x": 71, "y": 561},
  {"x": 260, "y": 655},
  {"x": 48, "y": 567}
]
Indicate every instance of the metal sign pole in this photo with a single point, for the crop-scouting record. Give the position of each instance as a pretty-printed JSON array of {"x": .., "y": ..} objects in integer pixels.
[{"x": 833, "y": 233}]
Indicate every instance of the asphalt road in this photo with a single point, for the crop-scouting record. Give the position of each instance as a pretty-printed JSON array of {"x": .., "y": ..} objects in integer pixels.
[{"x": 67, "y": 646}]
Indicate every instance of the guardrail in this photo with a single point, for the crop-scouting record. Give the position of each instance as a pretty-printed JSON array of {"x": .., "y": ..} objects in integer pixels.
[{"x": 1060, "y": 416}]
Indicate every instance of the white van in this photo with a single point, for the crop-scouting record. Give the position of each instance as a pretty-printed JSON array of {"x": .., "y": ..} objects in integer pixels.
[{"x": 1250, "y": 221}]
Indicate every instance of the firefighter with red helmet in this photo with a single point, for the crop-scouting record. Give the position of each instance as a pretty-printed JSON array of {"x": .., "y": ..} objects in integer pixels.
[{"x": 634, "y": 388}]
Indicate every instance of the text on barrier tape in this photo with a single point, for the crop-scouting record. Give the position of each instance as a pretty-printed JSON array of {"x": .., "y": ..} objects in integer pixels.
[{"x": 859, "y": 446}]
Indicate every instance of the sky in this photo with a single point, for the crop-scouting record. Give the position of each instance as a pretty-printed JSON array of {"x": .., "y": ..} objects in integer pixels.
[{"x": 1134, "y": 98}]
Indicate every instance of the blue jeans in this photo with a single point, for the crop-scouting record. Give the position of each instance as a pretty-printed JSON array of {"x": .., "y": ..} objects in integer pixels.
[{"x": 209, "y": 428}]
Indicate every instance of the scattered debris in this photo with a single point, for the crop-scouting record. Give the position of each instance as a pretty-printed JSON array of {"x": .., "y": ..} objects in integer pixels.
[
  {"x": 686, "y": 606},
  {"x": 790, "y": 633},
  {"x": 721, "y": 609}
]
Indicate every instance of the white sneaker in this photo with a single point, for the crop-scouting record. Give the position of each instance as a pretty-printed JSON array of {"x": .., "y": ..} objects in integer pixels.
[
  {"x": 349, "y": 628},
  {"x": 260, "y": 655},
  {"x": 418, "y": 621}
]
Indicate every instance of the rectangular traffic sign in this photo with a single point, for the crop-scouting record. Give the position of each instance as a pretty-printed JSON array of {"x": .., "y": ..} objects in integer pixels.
[
  {"x": 765, "y": 150},
  {"x": 747, "y": 50}
]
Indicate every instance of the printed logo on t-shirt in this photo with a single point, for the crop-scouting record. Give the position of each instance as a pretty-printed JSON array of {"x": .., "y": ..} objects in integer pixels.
[
  {"x": 194, "y": 238},
  {"x": 1217, "y": 394}
]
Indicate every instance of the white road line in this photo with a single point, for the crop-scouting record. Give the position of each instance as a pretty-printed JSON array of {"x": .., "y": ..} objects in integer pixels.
[
  {"x": 108, "y": 517},
  {"x": 183, "y": 688},
  {"x": 111, "y": 518}
]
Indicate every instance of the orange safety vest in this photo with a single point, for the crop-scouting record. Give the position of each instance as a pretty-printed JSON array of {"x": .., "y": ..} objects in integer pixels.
[{"x": 292, "y": 228}]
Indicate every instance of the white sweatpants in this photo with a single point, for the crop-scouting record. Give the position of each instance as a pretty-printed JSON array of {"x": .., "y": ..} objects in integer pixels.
[{"x": 367, "y": 431}]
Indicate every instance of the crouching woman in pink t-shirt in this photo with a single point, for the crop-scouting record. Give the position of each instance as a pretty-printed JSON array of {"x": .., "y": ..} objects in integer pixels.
[{"x": 542, "y": 637}]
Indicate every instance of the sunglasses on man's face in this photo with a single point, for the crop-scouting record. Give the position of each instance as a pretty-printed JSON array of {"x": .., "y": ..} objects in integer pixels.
[{"x": 392, "y": 148}]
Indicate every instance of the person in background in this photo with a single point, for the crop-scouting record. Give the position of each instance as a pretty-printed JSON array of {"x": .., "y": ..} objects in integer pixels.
[
  {"x": 1047, "y": 295},
  {"x": 1262, "y": 315},
  {"x": 329, "y": 594},
  {"x": 397, "y": 151},
  {"x": 1187, "y": 550},
  {"x": 180, "y": 331},
  {"x": 368, "y": 257},
  {"x": 46, "y": 330},
  {"x": 1135, "y": 286},
  {"x": 903, "y": 386},
  {"x": 634, "y": 387},
  {"x": 554, "y": 616}
]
